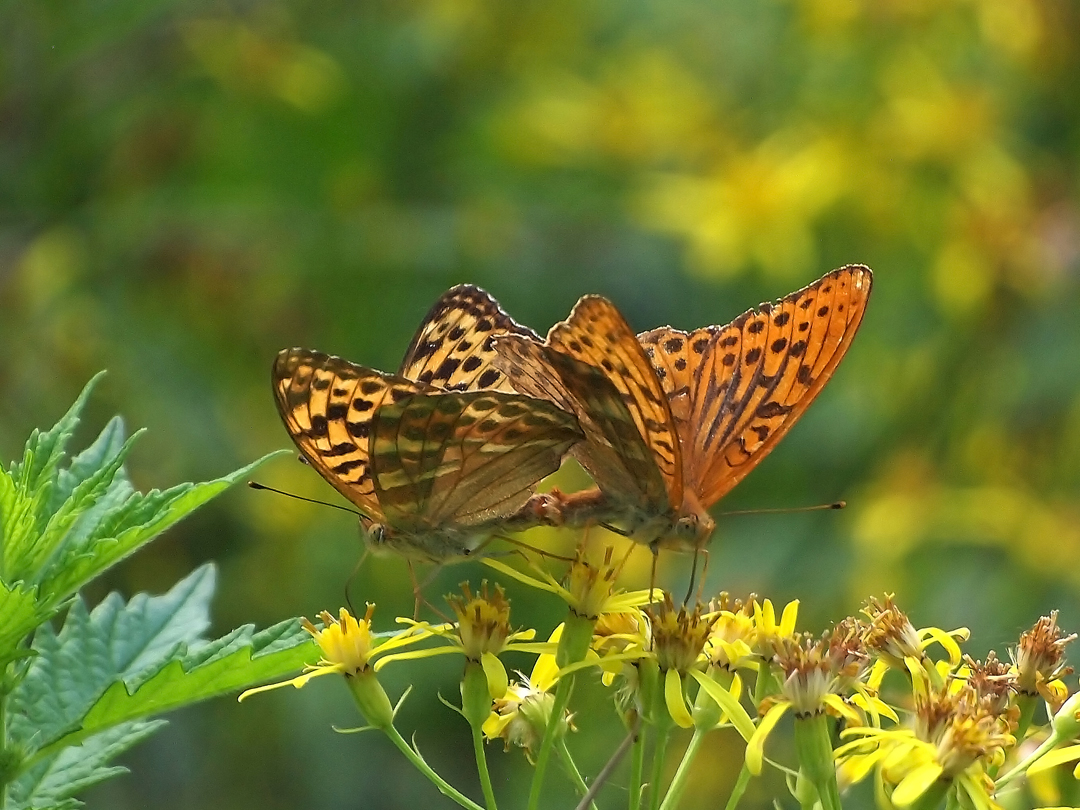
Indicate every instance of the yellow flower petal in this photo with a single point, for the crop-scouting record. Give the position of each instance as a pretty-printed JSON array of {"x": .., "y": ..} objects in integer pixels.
[
  {"x": 787, "y": 621},
  {"x": 1054, "y": 758},
  {"x": 728, "y": 702},
  {"x": 676, "y": 703},
  {"x": 916, "y": 783},
  {"x": 497, "y": 680},
  {"x": 755, "y": 746}
]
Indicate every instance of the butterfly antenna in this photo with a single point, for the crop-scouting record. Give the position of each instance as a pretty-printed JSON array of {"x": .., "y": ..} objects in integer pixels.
[
  {"x": 257, "y": 485},
  {"x": 614, "y": 529},
  {"x": 821, "y": 507},
  {"x": 693, "y": 579},
  {"x": 526, "y": 547}
]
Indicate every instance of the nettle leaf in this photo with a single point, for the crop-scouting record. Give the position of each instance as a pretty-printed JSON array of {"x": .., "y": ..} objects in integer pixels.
[
  {"x": 19, "y": 615},
  {"x": 26, "y": 490},
  {"x": 93, "y": 684},
  {"x": 127, "y": 526}
]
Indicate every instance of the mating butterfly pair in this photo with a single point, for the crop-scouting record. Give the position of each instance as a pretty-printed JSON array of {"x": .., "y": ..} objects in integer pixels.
[{"x": 445, "y": 454}]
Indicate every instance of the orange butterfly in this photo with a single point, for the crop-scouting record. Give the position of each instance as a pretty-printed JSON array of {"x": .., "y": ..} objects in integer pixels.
[{"x": 674, "y": 420}]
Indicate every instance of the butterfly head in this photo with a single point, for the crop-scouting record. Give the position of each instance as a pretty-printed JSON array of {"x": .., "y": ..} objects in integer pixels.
[{"x": 374, "y": 534}]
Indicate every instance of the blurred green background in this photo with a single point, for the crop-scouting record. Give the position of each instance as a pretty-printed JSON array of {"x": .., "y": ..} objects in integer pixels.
[{"x": 186, "y": 188}]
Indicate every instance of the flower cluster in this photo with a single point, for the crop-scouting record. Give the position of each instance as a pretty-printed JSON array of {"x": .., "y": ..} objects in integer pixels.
[{"x": 873, "y": 696}]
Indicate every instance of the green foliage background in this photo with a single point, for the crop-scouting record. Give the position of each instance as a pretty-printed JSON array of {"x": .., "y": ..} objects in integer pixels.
[{"x": 186, "y": 188}]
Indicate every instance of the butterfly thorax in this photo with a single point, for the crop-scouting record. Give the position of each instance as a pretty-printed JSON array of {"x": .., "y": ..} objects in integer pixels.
[{"x": 437, "y": 544}]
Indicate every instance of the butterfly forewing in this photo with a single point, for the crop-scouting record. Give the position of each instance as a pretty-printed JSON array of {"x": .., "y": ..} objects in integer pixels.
[
  {"x": 452, "y": 349},
  {"x": 327, "y": 405},
  {"x": 464, "y": 458},
  {"x": 597, "y": 334},
  {"x": 614, "y": 452},
  {"x": 757, "y": 375}
]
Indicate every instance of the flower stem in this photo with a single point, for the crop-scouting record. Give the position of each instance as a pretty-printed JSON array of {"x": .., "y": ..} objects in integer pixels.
[
  {"x": 659, "y": 750},
  {"x": 418, "y": 762},
  {"x": 637, "y": 770},
  {"x": 482, "y": 768},
  {"x": 562, "y": 697},
  {"x": 572, "y": 770},
  {"x": 678, "y": 782},
  {"x": 739, "y": 789}
]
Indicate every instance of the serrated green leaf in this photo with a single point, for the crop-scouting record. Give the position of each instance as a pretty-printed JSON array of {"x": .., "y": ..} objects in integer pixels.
[
  {"x": 26, "y": 490},
  {"x": 53, "y": 782},
  {"x": 107, "y": 446},
  {"x": 234, "y": 662},
  {"x": 75, "y": 667},
  {"x": 19, "y": 615},
  {"x": 132, "y": 524}
]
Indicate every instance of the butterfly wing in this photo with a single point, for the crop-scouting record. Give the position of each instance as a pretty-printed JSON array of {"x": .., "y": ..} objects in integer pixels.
[
  {"x": 738, "y": 389},
  {"x": 327, "y": 405},
  {"x": 466, "y": 458},
  {"x": 597, "y": 334},
  {"x": 452, "y": 349},
  {"x": 613, "y": 453}
]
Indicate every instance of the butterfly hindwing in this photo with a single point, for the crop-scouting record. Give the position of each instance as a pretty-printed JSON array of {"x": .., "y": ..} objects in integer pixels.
[
  {"x": 467, "y": 458},
  {"x": 613, "y": 453},
  {"x": 452, "y": 349}
]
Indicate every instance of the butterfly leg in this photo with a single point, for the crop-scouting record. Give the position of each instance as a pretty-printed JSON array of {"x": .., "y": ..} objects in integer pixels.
[
  {"x": 702, "y": 552},
  {"x": 652, "y": 571}
]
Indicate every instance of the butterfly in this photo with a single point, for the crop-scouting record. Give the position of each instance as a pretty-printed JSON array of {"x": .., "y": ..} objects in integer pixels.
[
  {"x": 453, "y": 347},
  {"x": 433, "y": 473},
  {"x": 673, "y": 420}
]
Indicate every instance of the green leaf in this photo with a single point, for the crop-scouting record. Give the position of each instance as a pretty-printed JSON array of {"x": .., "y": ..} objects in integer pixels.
[
  {"x": 26, "y": 489},
  {"x": 128, "y": 526},
  {"x": 53, "y": 782},
  {"x": 19, "y": 615}
]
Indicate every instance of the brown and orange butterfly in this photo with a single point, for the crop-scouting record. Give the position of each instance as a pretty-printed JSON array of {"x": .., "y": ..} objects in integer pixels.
[
  {"x": 673, "y": 420},
  {"x": 433, "y": 473}
]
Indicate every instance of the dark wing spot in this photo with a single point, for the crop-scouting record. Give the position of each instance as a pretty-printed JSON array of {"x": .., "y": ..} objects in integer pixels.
[
  {"x": 778, "y": 345},
  {"x": 341, "y": 392},
  {"x": 575, "y": 346},
  {"x": 426, "y": 348},
  {"x": 826, "y": 289},
  {"x": 806, "y": 304},
  {"x": 673, "y": 344},
  {"x": 699, "y": 345},
  {"x": 398, "y": 394},
  {"x": 752, "y": 356},
  {"x": 488, "y": 378},
  {"x": 483, "y": 325},
  {"x": 426, "y": 375},
  {"x": 488, "y": 425},
  {"x": 320, "y": 384},
  {"x": 359, "y": 430},
  {"x": 771, "y": 409},
  {"x": 729, "y": 341},
  {"x": 680, "y": 364},
  {"x": 798, "y": 348},
  {"x": 729, "y": 359},
  {"x": 839, "y": 307},
  {"x": 511, "y": 410},
  {"x": 447, "y": 368},
  {"x": 586, "y": 341},
  {"x": 782, "y": 318},
  {"x": 457, "y": 333},
  {"x": 513, "y": 434},
  {"x": 370, "y": 387},
  {"x": 362, "y": 404},
  {"x": 804, "y": 326},
  {"x": 339, "y": 410},
  {"x": 340, "y": 449},
  {"x": 471, "y": 363},
  {"x": 821, "y": 313},
  {"x": 755, "y": 327},
  {"x": 346, "y": 467},
  {"x": 318, "y": 427},
  {"x": 484, "y": 404},
  {"x": 661, "y": 373},
  {"x": 607, "y": 364},
  {"x": 762, "y": 432},
  {"x": 804, "y": 375}
]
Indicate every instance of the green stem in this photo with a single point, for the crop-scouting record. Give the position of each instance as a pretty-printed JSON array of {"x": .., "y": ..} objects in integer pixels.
[
  {"x": 814, "y": 748},
  {"x": 663, "y": 733},
  {"x": 562, "y": 697},
  {"x": 678, "y": 782},
  {"x": 637, "y": 770},
  {"x": 739, "y": 789},
  {"x": 1047, "y": 745},
  {"x": 418, "y": 762},
  {"x": 482, "y": 768},
  {"x": 572, "y": 770}
]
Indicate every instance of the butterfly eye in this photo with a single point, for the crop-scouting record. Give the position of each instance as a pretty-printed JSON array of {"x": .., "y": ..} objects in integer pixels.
[
  {"x": 374, "y": 533},
  {"x": 686, "y": 526}
]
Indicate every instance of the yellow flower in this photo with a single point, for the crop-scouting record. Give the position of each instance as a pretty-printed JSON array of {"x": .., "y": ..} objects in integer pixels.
[
  {"x": 953, "y": 741},
  {"x": 591, "y": 582},
  {"x": 482, "y": 632},
  {"x": 1040, "y": 660},
  {"x": 521, "y": 715},
  {"x": 767, "y": 631},
  {"x": 348, "y": 647},
  {"x": 896, "y": 641}
]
